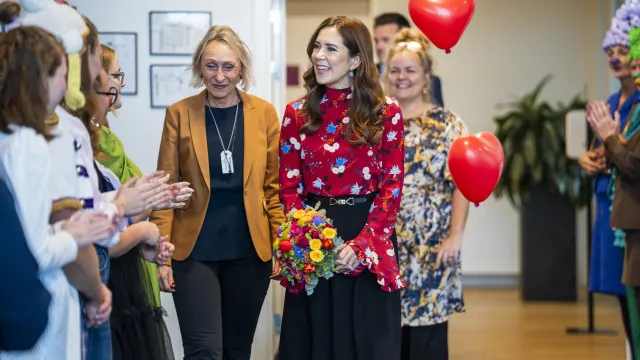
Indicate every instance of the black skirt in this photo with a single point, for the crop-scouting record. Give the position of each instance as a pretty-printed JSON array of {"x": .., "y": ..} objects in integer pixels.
[
  {"x": 344, "y": 319},
  {"x": 138, "y": 330}
]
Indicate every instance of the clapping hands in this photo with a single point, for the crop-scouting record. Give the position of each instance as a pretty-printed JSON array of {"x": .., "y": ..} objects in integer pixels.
[
  {"x": 138, "y": 195},
  {"x": 89, "y": 226},
  {"x": 600, "y": 120},
  {"x": 181, "y": 191}
]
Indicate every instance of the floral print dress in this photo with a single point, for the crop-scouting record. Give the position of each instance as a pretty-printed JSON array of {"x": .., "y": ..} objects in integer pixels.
[{"x": 432, "y": 294}]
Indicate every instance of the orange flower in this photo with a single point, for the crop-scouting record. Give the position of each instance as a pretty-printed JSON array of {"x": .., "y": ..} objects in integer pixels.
[
  {"x": 327, "y": 244},
  {"x": 309, "y": 268}
]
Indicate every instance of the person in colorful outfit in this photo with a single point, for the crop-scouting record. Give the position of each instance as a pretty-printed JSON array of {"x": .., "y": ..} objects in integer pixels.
[
  {"x": 606, "y": 259},
  {"x": 622, "y": 151},
  {"x": 137, "y": 325},
  {"x": 131, "y": 199},
  {"x": 75, "y": 178},
  {"x": 33, "y": 62},
  {"x": 433, "y": 212},
  {"x": 345, "y": 141}
]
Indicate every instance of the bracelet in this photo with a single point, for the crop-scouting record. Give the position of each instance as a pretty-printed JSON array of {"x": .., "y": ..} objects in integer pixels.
[{"x": 169, "y": 265}]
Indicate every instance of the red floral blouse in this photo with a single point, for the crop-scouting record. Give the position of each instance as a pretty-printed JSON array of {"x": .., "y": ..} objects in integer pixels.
[{"x": 325, "y": 164}]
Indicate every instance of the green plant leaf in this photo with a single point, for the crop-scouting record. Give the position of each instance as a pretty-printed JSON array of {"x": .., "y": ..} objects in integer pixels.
[
  {"x": 532, "y": 135},
  {"x": 529, "y": 149}
]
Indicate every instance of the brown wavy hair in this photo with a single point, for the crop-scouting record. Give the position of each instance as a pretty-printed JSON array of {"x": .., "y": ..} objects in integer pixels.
[
  {"x": 365, "y": 126},
  {"x": 29, "y": 55},
  {"x": 90, "y": 109}
]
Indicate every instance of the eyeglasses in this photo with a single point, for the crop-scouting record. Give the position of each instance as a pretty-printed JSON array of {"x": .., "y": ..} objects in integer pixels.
[
  {"x": 119, "y": 77},
  {"x": 112, "y": 93}
]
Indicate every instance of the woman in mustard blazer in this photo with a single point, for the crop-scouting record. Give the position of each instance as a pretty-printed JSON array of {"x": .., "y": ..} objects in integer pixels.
[{"x": 225, "y": 143}]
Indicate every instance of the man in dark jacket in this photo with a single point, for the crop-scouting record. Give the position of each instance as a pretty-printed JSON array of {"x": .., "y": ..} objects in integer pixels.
[{"x": 385, "y": 27}]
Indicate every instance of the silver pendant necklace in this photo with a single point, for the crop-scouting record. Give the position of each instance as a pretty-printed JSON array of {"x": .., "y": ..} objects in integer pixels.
[{"x": 226, "y": 156}]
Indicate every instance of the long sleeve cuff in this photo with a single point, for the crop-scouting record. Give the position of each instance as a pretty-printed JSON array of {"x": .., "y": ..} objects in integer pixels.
[{"x": 65, "y": 250}]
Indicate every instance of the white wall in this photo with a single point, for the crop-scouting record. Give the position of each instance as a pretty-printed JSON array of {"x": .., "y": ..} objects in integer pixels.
[
  {"x": 140, "y": 127},
  {"x": 507, "y": 48}
]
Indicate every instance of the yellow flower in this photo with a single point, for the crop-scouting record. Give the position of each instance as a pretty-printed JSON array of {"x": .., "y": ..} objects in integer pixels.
[
  {"x": 316, "y": 255},
  {"x": 315, "y": 244},
  {"x": 329, "y": 233},
  {"x": 298, "y": 214},
  {"x": 277, "y": 242},
  {"x": 306, "y": 219}
]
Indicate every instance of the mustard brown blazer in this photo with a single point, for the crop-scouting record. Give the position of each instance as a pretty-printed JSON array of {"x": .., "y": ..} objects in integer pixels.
[{"x": 183, "y": 154}]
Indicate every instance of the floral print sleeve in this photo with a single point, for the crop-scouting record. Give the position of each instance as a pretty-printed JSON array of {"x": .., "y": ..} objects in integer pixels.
[
  {"x": 455, "y": 128},
  {"x": 290, "y": 169},
  {"x": 373, "y": 245}
]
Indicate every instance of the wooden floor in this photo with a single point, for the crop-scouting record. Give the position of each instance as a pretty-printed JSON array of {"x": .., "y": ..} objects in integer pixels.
[{"x": 497, "y": 326}]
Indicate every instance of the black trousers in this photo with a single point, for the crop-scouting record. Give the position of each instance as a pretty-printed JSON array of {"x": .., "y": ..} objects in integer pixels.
[
  {"x": 345, "y": 318},
  {"x": 425, "y": 342},
  {"x": 218, "y": 305}
]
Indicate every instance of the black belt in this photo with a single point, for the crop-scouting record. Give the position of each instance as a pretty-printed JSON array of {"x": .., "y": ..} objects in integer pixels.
[{"x": 340, "y": 200}]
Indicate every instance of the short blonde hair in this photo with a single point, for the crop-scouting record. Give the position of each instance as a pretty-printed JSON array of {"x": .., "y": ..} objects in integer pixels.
[
  {"x": 107, "y": 57},
  {"x": 413, "y": 41},
  {"x": 225, "y": 35}
]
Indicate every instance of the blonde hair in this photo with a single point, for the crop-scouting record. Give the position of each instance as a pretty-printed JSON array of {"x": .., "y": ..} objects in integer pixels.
[
  {"x": 224, "y": 35},
  {"x": 415, "y": 42},
  {"x": 107, "y": 57}
]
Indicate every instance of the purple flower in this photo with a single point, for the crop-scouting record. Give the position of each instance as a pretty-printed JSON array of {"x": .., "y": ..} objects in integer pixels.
[
  {"x": 295, "y": 230},
  {"x": 302, "y": 242},
  {"x": 317, "y": 221}
]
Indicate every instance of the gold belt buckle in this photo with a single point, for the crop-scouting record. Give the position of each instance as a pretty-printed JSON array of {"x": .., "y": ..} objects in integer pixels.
[{"x": 349, "y": 201}]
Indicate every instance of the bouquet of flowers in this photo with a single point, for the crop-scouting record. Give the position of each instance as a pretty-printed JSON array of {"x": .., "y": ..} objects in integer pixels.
[{"x": 306, "y": 249}]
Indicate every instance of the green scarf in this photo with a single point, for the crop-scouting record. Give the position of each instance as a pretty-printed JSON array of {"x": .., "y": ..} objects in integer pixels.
[{"x": 124, "y": 168}]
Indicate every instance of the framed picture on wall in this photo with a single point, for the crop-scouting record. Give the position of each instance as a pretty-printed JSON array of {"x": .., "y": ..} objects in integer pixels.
[
  {"x": 125, "y": 45},
  {"x": 177, "y": 32},
  {"x": 169, "y": 84}
]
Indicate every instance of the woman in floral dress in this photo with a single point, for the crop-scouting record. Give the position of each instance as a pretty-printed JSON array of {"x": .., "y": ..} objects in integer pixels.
[
  {"x": 433, "y": 212},
  {"x": 342, "y": 146}
]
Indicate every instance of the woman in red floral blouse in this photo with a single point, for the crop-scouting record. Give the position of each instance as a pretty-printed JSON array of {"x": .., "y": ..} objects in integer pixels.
[{"x": 345, "y": 141}]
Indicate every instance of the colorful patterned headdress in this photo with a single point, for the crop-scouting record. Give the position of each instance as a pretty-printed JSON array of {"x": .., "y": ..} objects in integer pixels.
[{"x": 621, "y": 24}]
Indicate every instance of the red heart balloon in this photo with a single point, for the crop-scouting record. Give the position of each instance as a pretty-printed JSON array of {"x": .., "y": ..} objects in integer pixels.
[
  {"x": 476, "y": 162},
  {"x": 442, "y": 21}
]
